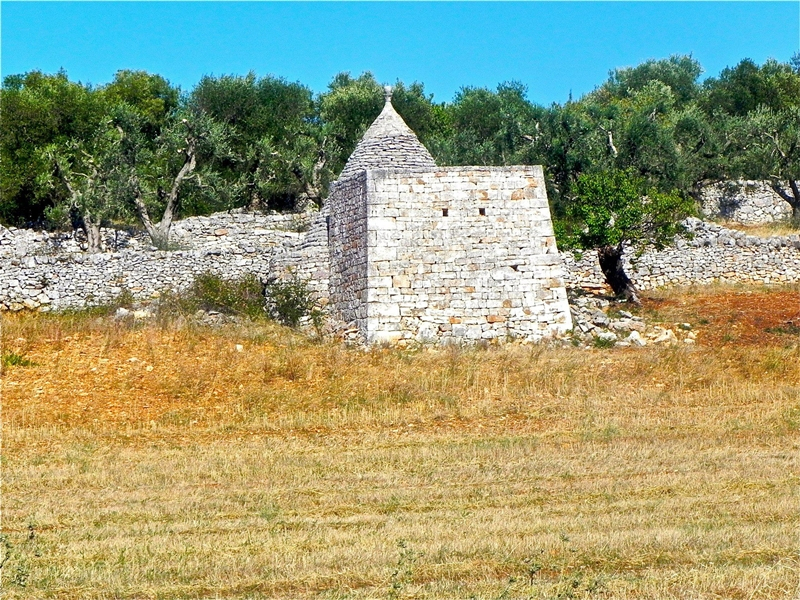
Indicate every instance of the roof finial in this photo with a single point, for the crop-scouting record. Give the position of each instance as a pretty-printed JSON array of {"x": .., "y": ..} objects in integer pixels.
[{"x": 387, "y": 93}]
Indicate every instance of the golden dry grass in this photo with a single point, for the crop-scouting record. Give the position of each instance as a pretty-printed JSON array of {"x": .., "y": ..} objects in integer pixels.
[
  {"x": 300, "y": 470},
  {"x": 776, "y": 228}
]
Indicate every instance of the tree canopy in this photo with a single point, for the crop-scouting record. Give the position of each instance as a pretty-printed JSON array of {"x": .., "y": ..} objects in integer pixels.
[
  {"x": 615, "y": 208},
  {"x": 269, "y": 143}
]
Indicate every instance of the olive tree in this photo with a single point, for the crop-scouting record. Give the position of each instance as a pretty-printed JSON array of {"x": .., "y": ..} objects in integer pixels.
[
  {"x": 159, "y": 177},
  {"x": 38, "y": 112},
  {"x": 89, "y": 170},
  {"x": 277, "y": 155},
  {"x": 770, "y": 150},
  {"x": 614, "y": 209}
]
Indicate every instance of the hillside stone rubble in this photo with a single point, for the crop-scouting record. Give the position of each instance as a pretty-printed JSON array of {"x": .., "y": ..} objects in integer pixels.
[{"x": 600, "y": 321}]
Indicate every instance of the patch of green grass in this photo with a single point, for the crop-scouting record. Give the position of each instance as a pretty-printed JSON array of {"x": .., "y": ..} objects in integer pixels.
[
  {"x": 14, "y": 359},
  {"x": 788, "y": 329},
  {"x": 599, "y": 342},
  {"x": 791, "y": 418}
]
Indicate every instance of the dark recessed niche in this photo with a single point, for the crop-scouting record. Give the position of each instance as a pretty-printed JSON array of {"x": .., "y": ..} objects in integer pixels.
[
  {"x": 444, "y": 212},
  {"x": 515, "y": 267},
  {"x": 482, "y": 212}
]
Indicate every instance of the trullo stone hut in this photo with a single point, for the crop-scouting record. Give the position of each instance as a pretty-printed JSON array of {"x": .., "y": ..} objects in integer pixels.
[{"x": 447, "y": 254}]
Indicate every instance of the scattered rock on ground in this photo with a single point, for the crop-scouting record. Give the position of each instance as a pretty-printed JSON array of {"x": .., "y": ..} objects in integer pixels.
[{"x": 597, "y": 317}]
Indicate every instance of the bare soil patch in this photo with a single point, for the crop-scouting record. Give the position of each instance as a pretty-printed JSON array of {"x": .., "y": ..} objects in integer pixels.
[{"x": 734, "y": 316}]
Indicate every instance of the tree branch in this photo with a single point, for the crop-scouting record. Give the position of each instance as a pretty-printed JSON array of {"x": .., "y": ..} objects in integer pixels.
[
  {"x": 63, "y": 176},
  {"x": 188, "y": 167},
  {"x": 778, "y": 188},
  {"x": 141, "y": 207}
]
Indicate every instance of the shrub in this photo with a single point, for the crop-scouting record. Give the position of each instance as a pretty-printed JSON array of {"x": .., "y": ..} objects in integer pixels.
[
  {"x": 243, "y": 296},
  {"x": 125, "y": 299},
  {"x": 291, "y": 300},
  {"x": 209, "y": 291},
  {"x": 13, "y": 359},
  {"x": 600, "y": 342}
]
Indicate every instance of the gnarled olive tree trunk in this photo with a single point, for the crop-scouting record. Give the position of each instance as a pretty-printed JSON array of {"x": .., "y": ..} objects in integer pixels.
[
  {"x": 610, "y": 258},
  {"x": 88, "y": 222},
  {"x": 91, "y": 227},
  {"x": 793, "y": 198},
  {"x": 159, "y": 232}
]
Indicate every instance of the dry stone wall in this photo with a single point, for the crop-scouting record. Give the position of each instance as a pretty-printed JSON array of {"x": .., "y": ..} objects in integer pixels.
[
  {"x": 347, "y": 233},
  {"x": 709, "y": 253},
  {"x": 47, "y": 271},
  {"x": 746, "y": 202},
  {"x": 50, "y": 271},
  {"x": 462, "y": 253}
]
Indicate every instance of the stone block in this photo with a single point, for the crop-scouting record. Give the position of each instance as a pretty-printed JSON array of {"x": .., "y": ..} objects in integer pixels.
[{"x": 401, "y": 281}]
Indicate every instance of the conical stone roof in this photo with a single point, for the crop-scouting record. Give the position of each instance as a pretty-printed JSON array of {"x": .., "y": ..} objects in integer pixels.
[{"x": 389, "y": 144}]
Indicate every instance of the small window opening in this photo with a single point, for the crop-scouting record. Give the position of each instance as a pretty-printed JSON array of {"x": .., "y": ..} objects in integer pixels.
[
  {"x": 482, "y": 212},
  {"x": 515, "y": 267},
  {"x": 444, "y": 212}
]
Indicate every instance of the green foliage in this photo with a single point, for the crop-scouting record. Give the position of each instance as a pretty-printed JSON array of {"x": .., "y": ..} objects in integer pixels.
[
  {"x": 769, "y": 148},
  {"x": 89, "y": 170},
  {"x": 741, "y": 89},
  {"x": 678, "y": 73},
  {"x": 39, "y": 111},
  {"x": 270, "y": 143},
  {"x": 794, "y": 61},
  {"x": 125, "y": 299},
  {"x": 178, "y": 171},
  {"x": 403, "y": 573},
  {"x": 243, "y": 296},
  {"x": 615, "y": 207},
  {"x": 599, "y": 342},
  {"x": 14, "y": 359},
  {"x": 351, "y": 104},
  {"x": 490, "y": 128},
  {"x": 788, "y": 329},
  {"x": 347, "y": 109},
  {"x": 150, "y": 96},
  {"x": 290, "y": 301},
  {"x": 418, "y": 110},
  {"x": 274, "y": 138}
]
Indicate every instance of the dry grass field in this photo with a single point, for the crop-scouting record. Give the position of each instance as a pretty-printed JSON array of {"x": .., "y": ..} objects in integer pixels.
[
  {"x": 762, "y": 230},
  {"x": 166, "y": 461}
]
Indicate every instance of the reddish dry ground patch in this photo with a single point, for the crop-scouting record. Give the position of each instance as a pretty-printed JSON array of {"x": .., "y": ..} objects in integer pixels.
[{"x": 752, "y": 318}]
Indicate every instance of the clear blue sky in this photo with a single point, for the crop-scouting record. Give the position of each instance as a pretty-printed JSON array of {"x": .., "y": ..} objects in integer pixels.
[{"x": 552, "y": 47}]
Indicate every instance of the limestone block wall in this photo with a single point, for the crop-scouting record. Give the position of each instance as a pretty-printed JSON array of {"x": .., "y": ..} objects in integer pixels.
[
  {"x": 347, "y": 239},
  {"x": 463, "y": 253},
  {"x": 746, "y": 202},
  {"x": 709, "y": 253},
  {"x": 49, "y": 271}
]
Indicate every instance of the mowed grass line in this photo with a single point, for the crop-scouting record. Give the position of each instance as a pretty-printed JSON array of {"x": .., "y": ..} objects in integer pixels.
[
  {"x": 299, "y": 518},
  {"x": 294, "y": 469}
]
